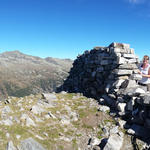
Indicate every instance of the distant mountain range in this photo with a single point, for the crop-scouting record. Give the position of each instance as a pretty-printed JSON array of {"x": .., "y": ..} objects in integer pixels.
[{"x": 22, "y": 74}]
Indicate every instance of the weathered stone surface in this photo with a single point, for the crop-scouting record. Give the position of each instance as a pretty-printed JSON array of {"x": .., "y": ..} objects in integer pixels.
[
  {"x": 37, "y": 109},
  {"x": 123, "y": 72},
  {"x": 7, "y": 122},
  {"x": 30, "y": 144},
  {"x": 122, "y": 123},
  {"x": 139, "y": 91},
  {"x": 48, "y": 96},
  {"x": 104, "y": 108},
  {"x": 10, "y": 146},
  {"x": 127, "y": 66},
  {"x": 145, "y": 100},
  {"x": 121, "y": 107},
  {"x": 132, "y": 84},
  {"x": 118, "y": 83},
  {"x": 114, "y": 142},
  {"x": 95, "y": 141},
  {"x": 129, "y": 56}
]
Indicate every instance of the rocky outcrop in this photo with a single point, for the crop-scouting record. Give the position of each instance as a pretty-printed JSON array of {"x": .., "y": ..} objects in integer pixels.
[
  {"x": 103, "y": 70},
  {"x": 110, "y": 75}
]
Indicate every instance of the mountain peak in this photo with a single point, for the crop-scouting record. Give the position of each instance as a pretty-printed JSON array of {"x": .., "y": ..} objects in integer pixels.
[{"x": 14, "y": 53}]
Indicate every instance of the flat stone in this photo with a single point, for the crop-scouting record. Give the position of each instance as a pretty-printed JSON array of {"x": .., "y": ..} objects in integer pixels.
[
  {"x": 95, "y": 141},
  {"x": 37, "y": 109},
  {"x": 104, "y": 108},
  {"x": 114, "y": 142},
  {"x": 121, "y": 107},
  {"x": 139, "y": 91},
  {"x": 144, "y": 100},
  {"x": 10, "y": 146},
  {"x": 129, "y": 56},
  {"x": 128, "y": 66},
  {"x": 30, "y": 144},
  {"x": 49, "y": 96},
  {"x": 118, "y": 83},
  {"x": 136, "y": 77},
  {"x": 123, "y": 72}
]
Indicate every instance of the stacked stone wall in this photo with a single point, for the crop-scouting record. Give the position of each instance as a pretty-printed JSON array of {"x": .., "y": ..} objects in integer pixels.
[{"x": 103, "y": 69}]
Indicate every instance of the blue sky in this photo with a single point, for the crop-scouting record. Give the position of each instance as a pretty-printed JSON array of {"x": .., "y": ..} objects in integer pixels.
[{"x": 66, "y": 28}]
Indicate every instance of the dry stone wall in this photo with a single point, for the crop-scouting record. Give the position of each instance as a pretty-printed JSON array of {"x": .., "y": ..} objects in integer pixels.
[
  {"x": 103, "y": 70},
  {"x": 110, "y": 75}
]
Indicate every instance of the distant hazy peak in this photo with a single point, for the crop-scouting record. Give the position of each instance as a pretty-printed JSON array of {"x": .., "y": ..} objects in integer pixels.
[
  {"x": 57, "y": 59},
  {"x": 15, "y": 53}
]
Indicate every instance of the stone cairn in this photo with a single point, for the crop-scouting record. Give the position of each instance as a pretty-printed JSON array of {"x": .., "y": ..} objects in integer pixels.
[{"x": 110, "y": 75}]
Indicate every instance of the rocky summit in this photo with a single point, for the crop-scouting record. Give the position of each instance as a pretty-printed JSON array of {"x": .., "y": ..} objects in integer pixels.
[
  {"x": 62, "y": 121},
  {"x": 100, "y": 106}
]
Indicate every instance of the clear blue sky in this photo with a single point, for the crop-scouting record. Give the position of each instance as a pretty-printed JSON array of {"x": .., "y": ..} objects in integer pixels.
[{"x": 66, "y": 28}]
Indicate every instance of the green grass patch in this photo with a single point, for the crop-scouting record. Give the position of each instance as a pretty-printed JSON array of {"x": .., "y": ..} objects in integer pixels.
[
  {"x": 87, "y": 126},
  {"x": 109, "y": 120},
  {"x": 74, "y": 144}
]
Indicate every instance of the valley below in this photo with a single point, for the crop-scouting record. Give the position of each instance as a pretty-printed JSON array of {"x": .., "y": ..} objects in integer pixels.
[{"x": 22, "y": 74}]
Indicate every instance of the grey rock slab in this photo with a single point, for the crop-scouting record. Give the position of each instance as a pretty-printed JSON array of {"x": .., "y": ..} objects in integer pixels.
[
  {"x": 10, "y": 146},
  {"x": 122, "y": 123},
  {"x": 144, "y": 100},
  {"x": 129, "y": 56},
  {"x": 128, "y": 66},
  {"x": 30, "y": 144},
  {"x": 131, "y": 83},
  {"x": 114, "y": 142},
  {"x": 123, "y": 72},
  {"x": 49, "y": 96},
  {"x": 118, "y": 83},
  {"x": 6, "y": 110},
  {"x": 7, "y": 122},
  {"x": 114, "y": 130},
  {"x": 65, "y": 120},
  {"x": 30, "y": 122},
  {"x": 139, "y": 91},
  {"x": 136, "y": 77},
  {"x": 104, "y": 108},
  {"x": 95, "y": 141},
  {"x": 37, "y": 109}
]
